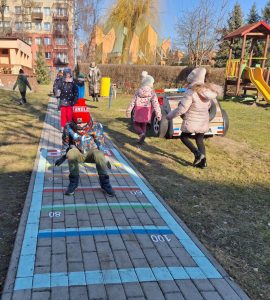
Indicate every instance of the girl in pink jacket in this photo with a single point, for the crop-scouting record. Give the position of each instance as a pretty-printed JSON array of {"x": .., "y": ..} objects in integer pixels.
[
  {"x": 143, "y": 101},
  {"x": 194, "y": 109}
]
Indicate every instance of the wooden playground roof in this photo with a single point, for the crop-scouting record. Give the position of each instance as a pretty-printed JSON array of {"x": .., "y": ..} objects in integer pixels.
[{"x": 259, "y": 30}]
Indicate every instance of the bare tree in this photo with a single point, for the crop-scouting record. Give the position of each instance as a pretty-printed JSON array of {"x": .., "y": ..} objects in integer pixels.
[
  {"x": 3, "y": 6},
  {"x": 88, "y": 13},
  {"x": 197, "y": 29}
]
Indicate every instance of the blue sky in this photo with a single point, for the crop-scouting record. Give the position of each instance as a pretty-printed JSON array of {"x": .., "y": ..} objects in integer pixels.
[{"x": 170, "y": 10}]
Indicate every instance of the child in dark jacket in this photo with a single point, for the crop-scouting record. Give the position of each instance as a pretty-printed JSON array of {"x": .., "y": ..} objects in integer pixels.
[
  {"x": 81, "y": 86},
  {"x": 22, "y": 83},
  {"x": 68, "y": 97},
  {"x": 56, "y": 87}
]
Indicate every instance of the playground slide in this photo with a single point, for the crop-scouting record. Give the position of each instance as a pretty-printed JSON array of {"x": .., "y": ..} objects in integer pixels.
[{"x": 256, "y": 77}]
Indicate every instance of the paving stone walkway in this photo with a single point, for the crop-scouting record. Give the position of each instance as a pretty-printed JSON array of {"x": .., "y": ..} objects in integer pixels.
[{"x": 88, "y": 246}]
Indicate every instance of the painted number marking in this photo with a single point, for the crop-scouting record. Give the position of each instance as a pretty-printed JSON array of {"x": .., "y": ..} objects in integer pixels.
[
  {"x": 55, "y": 214},
  {"x": 136, "y": 193},
  {"x": 160, "y": 238}
]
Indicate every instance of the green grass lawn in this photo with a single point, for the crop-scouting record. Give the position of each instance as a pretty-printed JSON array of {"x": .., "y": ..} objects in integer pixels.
[
  {"x": 20, "y": 128},
  {"x": 226, "y": 205}
]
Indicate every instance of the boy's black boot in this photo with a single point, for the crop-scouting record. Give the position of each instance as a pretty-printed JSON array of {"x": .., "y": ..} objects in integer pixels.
[
  {"x": 73, "y": 184},
  {"x": 198, "y": 158},
  {"x": 105, "y": 185}
]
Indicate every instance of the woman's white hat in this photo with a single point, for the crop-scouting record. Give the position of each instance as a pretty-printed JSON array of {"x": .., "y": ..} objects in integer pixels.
[{"x": 197, "y": 76}]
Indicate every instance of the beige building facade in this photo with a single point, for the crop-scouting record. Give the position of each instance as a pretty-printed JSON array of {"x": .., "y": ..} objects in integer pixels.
[
  {"x": 47, "y": 26},
  {"x": 15, "y": 54},
  {"x": 145, "y": 48}
]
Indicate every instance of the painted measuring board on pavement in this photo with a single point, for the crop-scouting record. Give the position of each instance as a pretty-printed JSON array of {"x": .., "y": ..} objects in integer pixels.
[
  {"x": 158, "y": 234},
  {"x": 203, "y": 263}
]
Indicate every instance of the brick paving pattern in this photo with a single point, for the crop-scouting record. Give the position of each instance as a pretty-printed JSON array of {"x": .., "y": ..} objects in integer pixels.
[{"x": 90, "y": 246}]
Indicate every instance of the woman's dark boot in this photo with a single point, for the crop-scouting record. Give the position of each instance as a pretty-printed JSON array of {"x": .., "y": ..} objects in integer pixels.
[
  {"x": 73, "y": 184},
  {"x": 198, "y": 158},
  {"x": 105, "y": 185},
  {"x": 202, "y": 164}
]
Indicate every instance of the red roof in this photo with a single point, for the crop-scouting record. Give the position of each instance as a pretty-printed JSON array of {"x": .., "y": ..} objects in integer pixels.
[{"x": 259, "y": 27}]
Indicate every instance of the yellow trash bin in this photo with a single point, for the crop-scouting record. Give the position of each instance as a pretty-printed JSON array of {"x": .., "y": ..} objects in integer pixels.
[{"x": 105, "y": 86}]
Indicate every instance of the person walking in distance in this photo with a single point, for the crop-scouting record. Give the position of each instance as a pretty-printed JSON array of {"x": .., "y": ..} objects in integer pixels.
[
  {"x": 93, "y": 78},
  {"x": 22, "y": 83},
  {"x": 143, "y": 101},
  {"x": 194, "y": 110},
  {"x": 56, "y": 87}
]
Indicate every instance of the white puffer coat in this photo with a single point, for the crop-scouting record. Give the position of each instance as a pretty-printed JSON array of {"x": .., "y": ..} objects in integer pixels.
[{"x": 194, "y": 107}]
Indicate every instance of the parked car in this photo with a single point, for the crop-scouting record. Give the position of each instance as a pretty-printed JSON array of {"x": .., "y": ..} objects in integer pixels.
[{"x": 168, "y": 100}]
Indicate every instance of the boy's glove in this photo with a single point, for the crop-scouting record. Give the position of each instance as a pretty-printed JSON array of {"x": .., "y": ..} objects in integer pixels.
[{"x": 60, "y": 160}]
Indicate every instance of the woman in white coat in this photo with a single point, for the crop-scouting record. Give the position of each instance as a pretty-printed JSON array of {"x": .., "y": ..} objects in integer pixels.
[{"x": 194, "y": 109}]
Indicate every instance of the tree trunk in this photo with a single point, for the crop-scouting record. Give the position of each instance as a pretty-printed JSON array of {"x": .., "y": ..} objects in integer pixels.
[{"x": 126, "y": 46}]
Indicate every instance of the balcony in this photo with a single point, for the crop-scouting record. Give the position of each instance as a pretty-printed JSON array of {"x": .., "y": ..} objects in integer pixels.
[
  {"x": 60, "y": 31},
  {"x": 7, "y": 30},
  {"x": 37, "y": 16},
  {"x": 58, "y": 61},
  {"x": 61, "y": 18}
]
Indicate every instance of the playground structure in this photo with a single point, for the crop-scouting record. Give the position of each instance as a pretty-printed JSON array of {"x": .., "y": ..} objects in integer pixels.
[{"x": 249, "y": 73}]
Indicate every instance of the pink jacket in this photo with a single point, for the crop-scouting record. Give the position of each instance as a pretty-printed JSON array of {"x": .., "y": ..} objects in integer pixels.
[
  {"x": 194, "y": 110},
  {"x": 142, "y": 103}
]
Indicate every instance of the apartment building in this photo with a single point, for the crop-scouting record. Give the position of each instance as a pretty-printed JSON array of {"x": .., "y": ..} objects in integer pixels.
[{"x": 47, "y": 25}]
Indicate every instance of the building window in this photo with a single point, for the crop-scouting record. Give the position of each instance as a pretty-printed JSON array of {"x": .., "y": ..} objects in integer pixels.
[
  {"x": 47, "y": 11},
  {"x": 27, "y": 10},
  {"x": 38, "y": 41},
  {"x": 47, "y": 26},
  {"x": 6, "y": 9},
  {"x": 62, "y": 56},
  {"x": 48, "y": 55},
  {"x": 61, "y": 27},
  {"x": 18, "y": 26},
  {"x": 36, "y": 9},
  {"x": 60, "y": 11},
  {"x": 61, "y": 41},
  {"x": 47, "y": 41},
  {"x": 5, "y": 51},
  {"x": 28, "y": 40},
  {"x": 6, "y": 23},
  {"x": 18, "y": 10},
  {"x": 28, "y": 25},
  {"x": 38, "y": 26}
]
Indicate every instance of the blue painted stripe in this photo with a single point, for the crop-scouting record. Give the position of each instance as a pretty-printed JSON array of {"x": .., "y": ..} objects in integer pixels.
[
  {"x": 28, "y": 251},
  {"x": 207, "y": 268},
  {"x": 112, "y": 276},
  {"x": 103, "y": 230}
]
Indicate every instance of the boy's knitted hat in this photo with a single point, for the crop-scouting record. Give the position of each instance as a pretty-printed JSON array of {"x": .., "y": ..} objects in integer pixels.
[
  {"x": 81, "y": 77},
  {"x": 197, "y": 76},
  {"x": 148, "y": 80},
  {"x": 80, "y": 112}
]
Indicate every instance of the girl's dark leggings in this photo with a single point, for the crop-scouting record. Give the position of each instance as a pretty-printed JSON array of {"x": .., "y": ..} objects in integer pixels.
[{"x": 184, "y": 137}]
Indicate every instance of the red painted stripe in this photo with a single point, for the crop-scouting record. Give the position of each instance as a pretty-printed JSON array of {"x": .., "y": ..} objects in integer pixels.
[
  {"x": 86, "y": 175},
  {"x": 81, "y": 189}
]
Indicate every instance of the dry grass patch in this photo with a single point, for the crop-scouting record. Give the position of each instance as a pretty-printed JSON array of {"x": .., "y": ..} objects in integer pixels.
[{"x": 20, "y": 129}]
